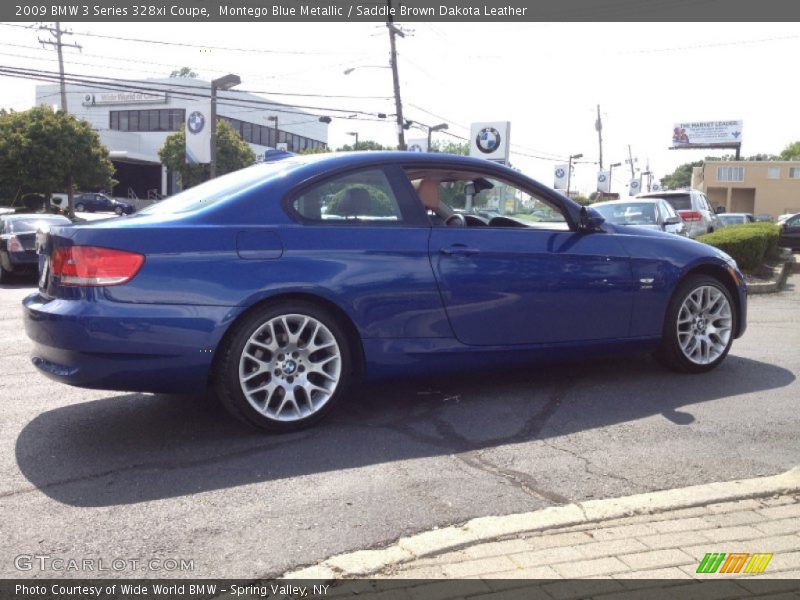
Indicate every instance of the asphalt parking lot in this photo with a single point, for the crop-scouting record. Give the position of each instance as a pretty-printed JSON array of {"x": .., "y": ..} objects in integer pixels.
[{"x": 110, "y": 475}]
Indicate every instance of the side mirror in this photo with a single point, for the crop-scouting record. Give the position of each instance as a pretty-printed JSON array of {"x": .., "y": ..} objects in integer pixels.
[
  {"x": 672, "y": 220},
  {"x": 590, "y": 219},
  {"x": 719, "y": 210}
]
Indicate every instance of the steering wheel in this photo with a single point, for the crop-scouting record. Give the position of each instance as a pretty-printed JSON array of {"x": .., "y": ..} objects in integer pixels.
[{"x": 456, "y": 220}]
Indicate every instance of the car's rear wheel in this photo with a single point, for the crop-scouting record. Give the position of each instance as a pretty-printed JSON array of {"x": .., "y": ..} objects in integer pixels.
[
  {"x": 284, "y": 367},
  {"x": 118, "y": 210},
  {"x": 80, "y": 207},
  {"x": 699, "y": 326}
]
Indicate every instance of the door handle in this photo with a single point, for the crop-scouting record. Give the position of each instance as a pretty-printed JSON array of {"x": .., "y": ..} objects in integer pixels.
[{"x": 458, "y": 249}]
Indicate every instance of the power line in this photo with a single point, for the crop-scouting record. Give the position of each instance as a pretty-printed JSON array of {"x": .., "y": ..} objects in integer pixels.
[{"x": 188, "y": 45}]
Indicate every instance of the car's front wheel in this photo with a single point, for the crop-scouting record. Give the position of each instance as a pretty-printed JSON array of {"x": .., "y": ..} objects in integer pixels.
[
  {"x": 699, "y": 326},
  {"x": 80, "y": 207},
  {"x": 118, "y": 210},
  {"x": 284, "y": 367}
]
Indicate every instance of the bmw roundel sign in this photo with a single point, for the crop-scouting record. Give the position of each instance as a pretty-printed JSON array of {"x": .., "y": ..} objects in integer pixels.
[
  {"x": 196, "y": 122},
  {"x": 415, "y": 148},
  {"x": 490, "y": 140},
  {"x": 560, "y": 173},
  {"x": 601, "y": 178}
]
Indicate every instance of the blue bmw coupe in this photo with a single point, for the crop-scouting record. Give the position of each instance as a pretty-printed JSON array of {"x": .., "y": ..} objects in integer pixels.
[{"x": 284, "y": 284}]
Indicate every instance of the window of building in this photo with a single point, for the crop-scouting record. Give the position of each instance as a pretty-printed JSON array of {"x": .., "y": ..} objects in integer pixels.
[
  {"x": 794, "y": 172},
  {"x": 773, "y": 172},
  {"x": 166, "y": 119},
  {"x": 730, "y": 173}
]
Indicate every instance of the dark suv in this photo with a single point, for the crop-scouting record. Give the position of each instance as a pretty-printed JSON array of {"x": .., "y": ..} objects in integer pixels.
[{"x": 100, "y": 202}]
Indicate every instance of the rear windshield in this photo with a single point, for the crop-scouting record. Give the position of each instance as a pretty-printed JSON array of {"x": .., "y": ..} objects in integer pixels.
[
  {"x": 678, "y": 201},
  {"x": 221, "y": 188},
  {"x": 34, "y": 223}
]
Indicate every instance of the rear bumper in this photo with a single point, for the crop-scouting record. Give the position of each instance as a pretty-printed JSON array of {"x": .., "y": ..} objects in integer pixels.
[
  {"x": 19, "y": 260},
  {"x": 116, "y": 346}
]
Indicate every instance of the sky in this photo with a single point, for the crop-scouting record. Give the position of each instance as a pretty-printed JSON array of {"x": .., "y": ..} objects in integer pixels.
[{"x": 545, "y": 78}]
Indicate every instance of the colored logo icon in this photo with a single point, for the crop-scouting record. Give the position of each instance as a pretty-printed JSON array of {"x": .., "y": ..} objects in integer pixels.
[
  {"x": 196, "y": 122},
  {"x": 488, "y": 140},
  {"x": 735, "y": 562}
]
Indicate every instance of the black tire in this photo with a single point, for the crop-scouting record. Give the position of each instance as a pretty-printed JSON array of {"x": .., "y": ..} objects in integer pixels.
[
  {"x": 118, "y": 210},
  {"x": 225, "y": 372},
  {"x": 4, "y": 275},
  {"x": 670, "y": 353},
  {"x": 79, "y": 208}
]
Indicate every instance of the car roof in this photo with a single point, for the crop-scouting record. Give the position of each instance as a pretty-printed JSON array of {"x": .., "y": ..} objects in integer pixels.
[
  {"x": 663, "y": 193},
  {"x": 736, "y": 214}
]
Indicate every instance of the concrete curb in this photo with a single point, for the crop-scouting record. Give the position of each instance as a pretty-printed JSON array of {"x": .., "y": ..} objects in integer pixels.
[
  {"x": 485, "y": 529},
  {"x": 776, "y": 285}
]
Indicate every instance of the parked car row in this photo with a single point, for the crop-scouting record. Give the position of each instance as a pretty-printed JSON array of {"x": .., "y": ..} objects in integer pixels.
[{"x": 18, "y": 241}]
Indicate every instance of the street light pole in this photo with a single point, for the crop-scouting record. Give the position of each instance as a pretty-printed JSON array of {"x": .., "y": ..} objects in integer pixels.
[
  {"x": 438, "y": 127},
  {"x": 610, "y": 172},
  {"x": 355, "y": 134},
  {"x": 275, "y": 118},
  {"x": 569, "y": 169},
  {"x": 225, "y": 82}
]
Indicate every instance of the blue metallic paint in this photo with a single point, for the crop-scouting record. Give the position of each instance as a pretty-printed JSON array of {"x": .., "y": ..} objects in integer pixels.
[{"x": 526, "y": 295}]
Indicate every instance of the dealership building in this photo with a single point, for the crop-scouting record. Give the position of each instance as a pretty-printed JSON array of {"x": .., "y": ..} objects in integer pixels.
[{"x": 133, "y": 118}]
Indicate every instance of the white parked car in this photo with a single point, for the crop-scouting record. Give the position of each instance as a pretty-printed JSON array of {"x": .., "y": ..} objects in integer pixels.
[
  {"x": 693, "y": 207},
  {"x": 647, "y": 213}
]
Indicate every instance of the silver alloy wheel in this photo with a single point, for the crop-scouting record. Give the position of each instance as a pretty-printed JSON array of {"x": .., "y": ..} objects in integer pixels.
[
  {"x": 290, "y": 367},
  {"x": 704, "y": 324}
]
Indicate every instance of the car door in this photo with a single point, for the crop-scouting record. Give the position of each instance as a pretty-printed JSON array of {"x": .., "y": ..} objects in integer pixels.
[{"x": 508, "y": 284}]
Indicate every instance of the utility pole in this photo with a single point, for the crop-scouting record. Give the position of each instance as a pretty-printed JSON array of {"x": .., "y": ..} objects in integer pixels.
[
  {"x": 598, "y": 125},
  {"x": 57, "y": 33},
  {"x": 630, "y": 160},
  {"x": 398, "y": 104}
]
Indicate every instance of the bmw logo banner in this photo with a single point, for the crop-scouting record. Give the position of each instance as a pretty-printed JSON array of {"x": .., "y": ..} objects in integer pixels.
[
  {"x": 634, "y": 187},
  {"x": 490, "y": 140},
  {"x": 417, "y": 145},
  {"x": 560, "y": 177},
  {"x": 603, "y": 182},
  {"x": 198, "y": 133}
]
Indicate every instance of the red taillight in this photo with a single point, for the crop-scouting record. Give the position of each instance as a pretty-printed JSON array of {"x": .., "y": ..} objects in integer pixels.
[
  {"x": 90, "y": 265},
  {"x": 14, "y": 244},
  {"x": 690, "y": 215}
]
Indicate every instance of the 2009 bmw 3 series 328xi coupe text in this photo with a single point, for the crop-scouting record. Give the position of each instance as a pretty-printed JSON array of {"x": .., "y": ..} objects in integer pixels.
[{"x": 284, "y": 284}]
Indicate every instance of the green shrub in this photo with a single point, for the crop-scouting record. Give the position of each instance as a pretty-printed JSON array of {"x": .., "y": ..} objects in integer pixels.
[{"x": 748, "y": 244}]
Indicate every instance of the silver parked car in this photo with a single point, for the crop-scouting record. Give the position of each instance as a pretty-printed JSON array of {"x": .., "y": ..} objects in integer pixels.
[
  {"x": 693, "y": 207},
  {"x": 640, "y": 212}
]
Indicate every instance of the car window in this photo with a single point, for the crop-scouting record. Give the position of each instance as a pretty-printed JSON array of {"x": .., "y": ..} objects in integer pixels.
[
  {"x": 362, "y": 197},
  {"x": 34, "y": 223},
  {"x": 628, "y": 213},
  {"x": 500, "y": 203},
  {"x": 794, "y": 222},
  {"x": 677, "y": 201}
]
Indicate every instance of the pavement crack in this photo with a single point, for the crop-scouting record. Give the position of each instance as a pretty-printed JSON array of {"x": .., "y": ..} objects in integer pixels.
[{"x": 519, "y": 480}]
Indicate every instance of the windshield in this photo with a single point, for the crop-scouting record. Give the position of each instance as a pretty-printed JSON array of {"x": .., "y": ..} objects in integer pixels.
[
  {"x": 632, "y": 213},
  {"x": 732, "y": 219},
  {"x": 221, "y": 188}
]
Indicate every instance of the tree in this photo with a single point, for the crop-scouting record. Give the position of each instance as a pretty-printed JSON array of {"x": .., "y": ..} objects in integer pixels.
[
  {"x": 460, "y": 148},
  {"x": 315, "y": 150},
  {"x": 791, "y": 152},
  {"x": 44, "y": 151},
  {"x": 183, "y": 72},
  {"x": 681, "y": 177},
  {"x": 233, "y": 154},
  {"x": 365, "y": 145}
]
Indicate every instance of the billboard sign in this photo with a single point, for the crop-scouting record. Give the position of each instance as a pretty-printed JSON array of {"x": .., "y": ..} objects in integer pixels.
[
  {"x": 490, "y": 140},
  {"x": 706, "y": 133},
  {"x": 198, "y": 133}
]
